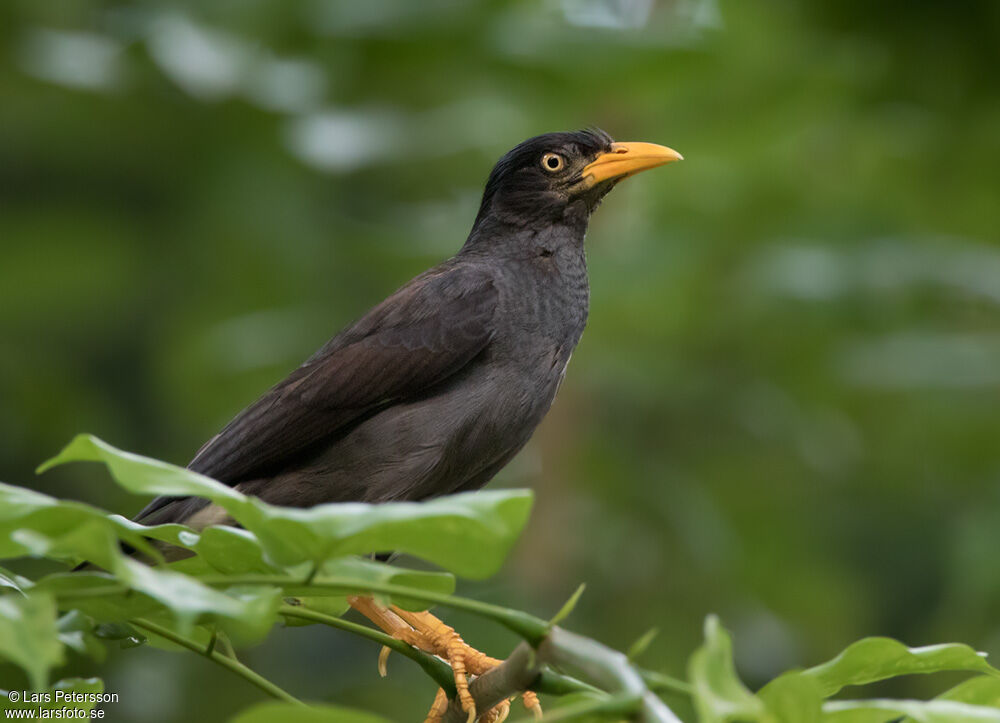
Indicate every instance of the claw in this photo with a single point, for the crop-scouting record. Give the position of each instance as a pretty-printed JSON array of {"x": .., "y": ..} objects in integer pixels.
[
  {"x": 456, "y": 654},
  {"x": 531, "y": 702},
  {"x": 498, "y": 713},
  {"x": 438, "y": 708},
  {"x": 426, "y": 632},
  {"x": 383, "y": 660}
]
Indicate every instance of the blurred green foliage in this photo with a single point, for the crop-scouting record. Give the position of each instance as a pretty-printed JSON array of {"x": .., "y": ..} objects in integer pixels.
[{"x": 784, "y": 409}]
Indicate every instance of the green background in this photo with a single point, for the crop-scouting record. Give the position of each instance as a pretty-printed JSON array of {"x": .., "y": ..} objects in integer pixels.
[{"x": 785, "y": 406}]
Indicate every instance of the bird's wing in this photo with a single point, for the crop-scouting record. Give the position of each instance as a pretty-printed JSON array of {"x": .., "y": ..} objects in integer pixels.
[{"x": 419, "y": 336}]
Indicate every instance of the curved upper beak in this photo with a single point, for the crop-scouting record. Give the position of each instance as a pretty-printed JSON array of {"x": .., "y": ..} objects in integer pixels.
[{"x": 626, "y": 159}]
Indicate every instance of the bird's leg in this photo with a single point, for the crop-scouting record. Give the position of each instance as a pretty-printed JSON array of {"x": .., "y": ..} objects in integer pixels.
[{"x": 430, "y": 634}]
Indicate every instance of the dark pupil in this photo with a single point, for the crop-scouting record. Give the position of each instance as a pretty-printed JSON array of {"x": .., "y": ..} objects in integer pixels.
[{"x": 553, "y": 162}]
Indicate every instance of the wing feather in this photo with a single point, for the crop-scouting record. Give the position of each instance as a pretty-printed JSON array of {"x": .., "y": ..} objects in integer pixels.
[{"x": 402, "y": 348}]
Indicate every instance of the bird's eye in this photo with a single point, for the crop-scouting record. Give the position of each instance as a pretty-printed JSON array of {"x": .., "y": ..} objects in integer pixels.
[{"x": 553, "y": 162}]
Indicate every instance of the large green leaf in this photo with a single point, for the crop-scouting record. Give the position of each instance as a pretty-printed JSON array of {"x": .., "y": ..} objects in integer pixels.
[
  {"x": 290, "y": 713},
  {"x": 190, "y": 600},
  {"x": 883, "y": 711},
  {"x": 29, "y": 636},
  {"x": 142, "y": 475},
  {"x": 872, "y": 659},
  {"x": 231, "y": 551},
  {"x": 87, "y": 592},
  {"x": 469, "y": 534},
  {"x": 792, "y": 698},
  {"x": 35, "y": 524},
  {"x": 719, "y": 695},
  {"x": 247, "y": 613},
  {"x": 371, "y": 571},
  {"x": 76, "y": 631},
  {"x": 12, "y": 581},
  {"x": 981, "y": 690}
]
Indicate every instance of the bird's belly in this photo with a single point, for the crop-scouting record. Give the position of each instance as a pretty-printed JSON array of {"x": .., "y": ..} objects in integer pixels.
[{"x": 452, "y": 440}]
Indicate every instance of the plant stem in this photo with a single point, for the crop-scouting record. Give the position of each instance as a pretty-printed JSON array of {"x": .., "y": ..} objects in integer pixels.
[
  {"x": 529, "y": 627},
  {"x": 618, "y": 706},
  {"x": 661, "y": 681},
  {"x": 548, "y": 681},
  {"x": 534, "y": 630},
  {"x": 236, "y": 667},
  {"x": 439, "y": 671}
]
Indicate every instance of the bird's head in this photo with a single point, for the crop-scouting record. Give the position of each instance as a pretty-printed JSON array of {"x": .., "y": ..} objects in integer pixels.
[{"x": 563, "y": 176}]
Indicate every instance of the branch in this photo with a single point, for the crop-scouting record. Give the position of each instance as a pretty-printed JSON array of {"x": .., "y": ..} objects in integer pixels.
[
  {"x": 608, "y": 668},
  {"x": 514, "y": 675}
]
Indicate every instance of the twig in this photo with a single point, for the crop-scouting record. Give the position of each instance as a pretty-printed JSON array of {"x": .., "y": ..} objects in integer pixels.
[
  {"x": 608, "y": 668},
  {"x": 438, "y": 670},
  {"x": 216, "y": 657},
  {"x": 515, "y": 675},
  {"x": 615, "y": 706}
]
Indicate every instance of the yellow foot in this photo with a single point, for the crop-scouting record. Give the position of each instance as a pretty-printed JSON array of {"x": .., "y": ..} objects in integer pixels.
[{"x": 426, "y": 632}]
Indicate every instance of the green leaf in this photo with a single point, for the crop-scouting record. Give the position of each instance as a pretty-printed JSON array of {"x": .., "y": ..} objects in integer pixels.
[
  {"x": 199, "y": 634},
  {"x": 35, "y": 524},
  {"x": 79, "y": 590},
  {"x": 174, "y": 534},
  {"x": 718, "y": 693},
  {"x": 232, "y": 551},
  {"x": 87, "y": 687},
  {"x": 290, "y": 713},
  {"x": 90, "y": 539},
  {"x": 59, "y": 696},
  {"x": 128, "y": 636},
  {"x": 566, "y": 610},
  {"x": 640, "y": 646},
  {"x": 13, "y": 581},
  {"x": 372, "y": 571},
  {"x": 981, "y": 690},
  {"x": 792, "y": 698},
  {"x": 245, "y": 612},
  {"x": 469, "y": 534},
  {"x": 883, "y": 711},
  {"x": 873, "y": 659},
  {"x": 141, "y": 475},
  {"x": 334, "y": 605},
  {"x": 76, "y": 631},
  {"x": 29, "y": 636}
]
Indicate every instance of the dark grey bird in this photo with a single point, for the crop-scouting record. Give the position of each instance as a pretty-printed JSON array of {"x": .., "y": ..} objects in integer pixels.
[{"x": 435, "y": 389}]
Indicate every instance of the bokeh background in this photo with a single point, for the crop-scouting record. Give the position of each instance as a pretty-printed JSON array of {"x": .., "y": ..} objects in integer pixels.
[{"x": 784, "y": 409}]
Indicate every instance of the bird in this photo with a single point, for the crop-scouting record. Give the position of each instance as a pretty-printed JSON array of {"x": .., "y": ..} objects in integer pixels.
[{"x": 435, "y": 389}]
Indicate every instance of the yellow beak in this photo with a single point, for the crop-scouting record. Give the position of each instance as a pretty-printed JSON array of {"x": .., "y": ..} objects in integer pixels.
[{"x": 626, "y": 159}]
